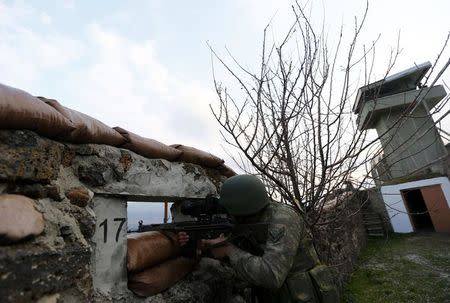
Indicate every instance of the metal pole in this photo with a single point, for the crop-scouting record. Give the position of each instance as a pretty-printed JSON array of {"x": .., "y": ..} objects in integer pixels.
[{"x": 165, "y": 212}]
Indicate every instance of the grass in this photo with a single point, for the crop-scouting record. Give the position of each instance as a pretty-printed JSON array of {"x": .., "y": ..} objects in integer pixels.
[{"x": 402, "y": 268}]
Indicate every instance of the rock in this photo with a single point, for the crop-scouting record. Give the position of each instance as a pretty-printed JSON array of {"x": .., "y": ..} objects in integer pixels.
[
  {"x": 65, "y": 230},
  {"x": 67, "y": 157},
  {"x": 54, "y": 192},
  {"x": 98, "y": 165},
  {"x": 18, "y": 218},
  {"x": 32, "y": 272},
  {"x": 85, "y": 219},
  {"x": 56, "y": 216},
  {"x": 87, "y": 226},
  {"x": 28, "y": 157},
  {"x": 35, "y": 191},
  {"x": 79, "y": 196},
  {"x": 93, "y": 173},
  {"x": 125, "y": 160},
  {"x": 19, "y": 138}
]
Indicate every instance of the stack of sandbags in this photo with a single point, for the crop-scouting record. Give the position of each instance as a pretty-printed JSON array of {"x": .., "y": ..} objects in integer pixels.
[
  {"x": 153, "y": 262},
  {"x": 18, "y": 219},
  {"x": 20, "y": 110},
  {"x": 148, "y": 148},
  {"x": 160, "y": 277},
  {"x": 87, "y": 129}
]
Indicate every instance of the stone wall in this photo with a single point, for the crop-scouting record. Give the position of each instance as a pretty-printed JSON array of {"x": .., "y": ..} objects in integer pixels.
[
  {"x": 76, "y": 188},
  {"x": 340, "y": 235}
]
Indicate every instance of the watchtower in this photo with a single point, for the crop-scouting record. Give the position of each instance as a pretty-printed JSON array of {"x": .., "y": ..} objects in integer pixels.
[{"x": 398, "y": 107}]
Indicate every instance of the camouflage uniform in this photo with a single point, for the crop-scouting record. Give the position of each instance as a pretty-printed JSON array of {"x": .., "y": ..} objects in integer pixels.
[{"x": 285, "y": 268}]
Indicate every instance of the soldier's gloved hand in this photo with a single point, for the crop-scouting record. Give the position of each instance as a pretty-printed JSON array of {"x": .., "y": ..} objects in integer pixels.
[
  {"x": 220, "y": 251},
  {"x": 183, "y": 238}
]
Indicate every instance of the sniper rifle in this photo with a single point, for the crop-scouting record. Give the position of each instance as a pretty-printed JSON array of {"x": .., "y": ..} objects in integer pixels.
[{"x": 209, "y": 221}]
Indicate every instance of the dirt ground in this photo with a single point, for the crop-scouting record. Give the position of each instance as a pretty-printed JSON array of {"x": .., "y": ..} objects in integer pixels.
[{"x": 411, "y": 267}]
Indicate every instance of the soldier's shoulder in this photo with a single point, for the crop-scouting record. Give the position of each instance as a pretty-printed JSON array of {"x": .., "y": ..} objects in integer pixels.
[{"x": 282, "y": 211}]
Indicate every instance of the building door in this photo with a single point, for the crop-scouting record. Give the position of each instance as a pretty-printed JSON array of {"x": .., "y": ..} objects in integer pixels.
[
  {"x": 427, "y": 208},
  {"x": 417, "y": 210},
  {"x": 437, "y": 206}
]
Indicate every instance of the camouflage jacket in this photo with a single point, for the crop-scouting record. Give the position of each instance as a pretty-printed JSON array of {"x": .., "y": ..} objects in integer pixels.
[{"x": 280, "y": 273}]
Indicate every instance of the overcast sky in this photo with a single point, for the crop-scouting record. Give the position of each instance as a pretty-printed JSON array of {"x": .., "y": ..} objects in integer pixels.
[{"x": 145, "y": 65}]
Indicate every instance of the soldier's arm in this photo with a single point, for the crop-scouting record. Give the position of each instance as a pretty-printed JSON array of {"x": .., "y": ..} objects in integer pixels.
[{"x": 271, "y": 269}]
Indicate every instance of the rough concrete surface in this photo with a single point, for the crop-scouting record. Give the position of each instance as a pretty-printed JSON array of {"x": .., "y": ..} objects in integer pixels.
[{"x": 28, "y": 157}]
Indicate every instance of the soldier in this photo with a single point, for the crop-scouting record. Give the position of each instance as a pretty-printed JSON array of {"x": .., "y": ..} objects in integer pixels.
[{"x": 281, "y": 266}]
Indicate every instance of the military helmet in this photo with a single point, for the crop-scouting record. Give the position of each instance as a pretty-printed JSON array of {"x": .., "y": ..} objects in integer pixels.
[{"x": 243, "y": 195}]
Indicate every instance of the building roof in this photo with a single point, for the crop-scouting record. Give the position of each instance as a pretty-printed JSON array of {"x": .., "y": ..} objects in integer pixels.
[{"x": 403, "y": 81}]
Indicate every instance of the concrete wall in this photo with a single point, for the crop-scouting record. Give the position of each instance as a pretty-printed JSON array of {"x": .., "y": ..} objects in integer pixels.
[
  {"x": 411, "y": 144},
  {"x": 396, "y": 207}
]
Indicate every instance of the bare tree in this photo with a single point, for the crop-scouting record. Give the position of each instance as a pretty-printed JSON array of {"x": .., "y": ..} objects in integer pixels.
[{"x": 292, "y": 123}]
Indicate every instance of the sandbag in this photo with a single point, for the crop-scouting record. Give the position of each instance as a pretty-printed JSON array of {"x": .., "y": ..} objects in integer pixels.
[
  {"x": 160, "y": 277},
  {"x": 150, "y": 248},
  {"x": 87, "y": 129},
  {"x": 196, "y": 156},
  {"x": 226, "y": 171},
  {"x": 148, "y": 148},
  {"x": 18, "y": 218},
  {"x": 20, "y": 110}
]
